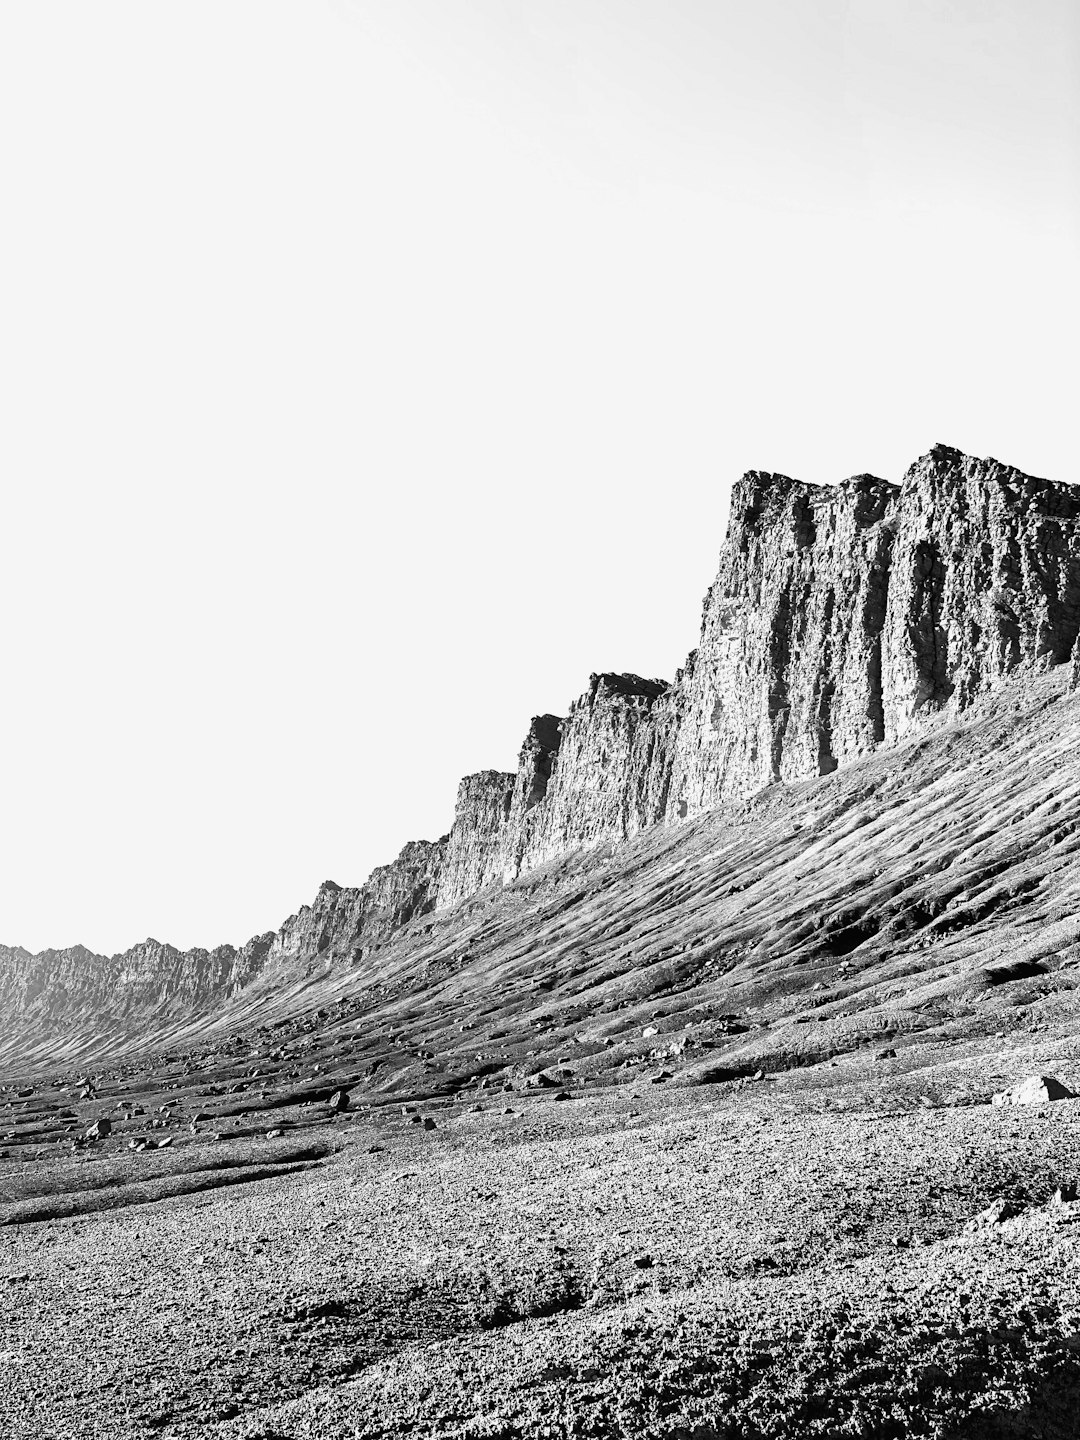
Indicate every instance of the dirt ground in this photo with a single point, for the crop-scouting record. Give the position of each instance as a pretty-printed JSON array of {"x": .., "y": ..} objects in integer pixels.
[{"x": 689, "y": 1137}]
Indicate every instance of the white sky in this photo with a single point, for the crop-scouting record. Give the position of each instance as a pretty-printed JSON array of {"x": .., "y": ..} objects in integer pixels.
[{"x": 373, "y": 370}]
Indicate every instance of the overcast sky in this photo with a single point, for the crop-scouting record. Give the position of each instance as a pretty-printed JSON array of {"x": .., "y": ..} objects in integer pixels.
[{"x": 373, "y": 370}]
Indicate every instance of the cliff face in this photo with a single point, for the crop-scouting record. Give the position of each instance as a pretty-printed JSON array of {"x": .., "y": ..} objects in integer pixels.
[
  {"x": 155, "y": 983},
  {"x": 985, "y": 577},
  {"x": 149, "y": 980},
  {"x": 786, "y": 680},
  {"x": 840, "y": 619},
  {"x": 843, "y": 617}
]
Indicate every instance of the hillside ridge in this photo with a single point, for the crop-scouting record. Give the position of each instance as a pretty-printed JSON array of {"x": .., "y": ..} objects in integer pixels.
[{"x": 842, "y": 618}]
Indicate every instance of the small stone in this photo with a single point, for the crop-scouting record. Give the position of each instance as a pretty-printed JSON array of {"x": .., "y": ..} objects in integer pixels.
[
  {"x": 274, "y": 1134},
  {"x": 885, "y": 1055},
  {"x": 429, "y": 1123},
  {"x": 660, "y": 1079}
]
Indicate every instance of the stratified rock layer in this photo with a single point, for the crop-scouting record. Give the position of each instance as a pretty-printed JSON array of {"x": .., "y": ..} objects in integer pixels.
[{"x": 841, "y": 618}]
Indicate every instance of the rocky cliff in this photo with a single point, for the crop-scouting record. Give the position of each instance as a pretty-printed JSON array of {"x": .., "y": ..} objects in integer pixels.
[
  {"x": 842, "y": 618},
  {"x": 156, "y": 983}
]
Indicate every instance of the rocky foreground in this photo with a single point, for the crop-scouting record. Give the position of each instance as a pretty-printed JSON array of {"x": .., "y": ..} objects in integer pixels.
[
  {"x": 695, "y": 1135},
  {"x": 808, "y": 1255}
]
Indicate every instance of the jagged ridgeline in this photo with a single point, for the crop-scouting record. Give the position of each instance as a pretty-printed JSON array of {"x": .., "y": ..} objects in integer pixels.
[{"x": 842, "y": 618}]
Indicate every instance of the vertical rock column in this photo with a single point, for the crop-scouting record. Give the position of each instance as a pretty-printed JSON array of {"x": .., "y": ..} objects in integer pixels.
[
  {"x": 607, "y": 781},
  {"x": 786, "y": 680},
  {"x": 474, "y": 850},
  {"x": 985, "y": 578}
]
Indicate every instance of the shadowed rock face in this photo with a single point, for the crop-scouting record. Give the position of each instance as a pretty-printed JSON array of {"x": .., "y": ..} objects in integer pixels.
[{"x": 841, "y": 618}]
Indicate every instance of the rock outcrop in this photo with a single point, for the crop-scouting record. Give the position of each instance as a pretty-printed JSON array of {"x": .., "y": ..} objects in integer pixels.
[
  {"x": 153, "y": 982},
  {"x": 842, "y": 618}
]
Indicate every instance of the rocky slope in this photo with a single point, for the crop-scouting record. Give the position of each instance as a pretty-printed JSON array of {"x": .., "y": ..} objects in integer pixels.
[
  {"x": 688, "y": 1137},
  {"x": 842, "y": 618}
]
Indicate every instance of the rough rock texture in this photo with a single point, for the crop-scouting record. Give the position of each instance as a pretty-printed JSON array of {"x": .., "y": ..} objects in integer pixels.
[
  {"x": 475, "y": 847},
  {"x": 343, "y": 920},
  {"x": 786, "y": 680},
  {"x": 842, "y": 617},
  {"x": 153, "y": 982},
  {"x": 150, "y": 979},
  {"x": 985, "y": 577},
  {"x": 607, "y": 782}
]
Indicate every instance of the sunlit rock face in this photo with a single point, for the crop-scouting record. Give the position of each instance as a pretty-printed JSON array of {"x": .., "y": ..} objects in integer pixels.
[
  {"x": 475, "y": 846},
  {"x": 153, "y": 982},
  {"x": 844, "y": 616},
  {"x": 606, "y": 782},
  {"x": 985, "y": 577},
  {"x": 786, "y": 679},
  {"x": 841, "y": 618},
  {"x": 150, "y": 980},
  {"x": 343, "y": 920}
]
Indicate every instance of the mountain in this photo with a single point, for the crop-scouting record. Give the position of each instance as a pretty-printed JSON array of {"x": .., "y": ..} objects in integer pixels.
[{"x": 843, "y": 619}]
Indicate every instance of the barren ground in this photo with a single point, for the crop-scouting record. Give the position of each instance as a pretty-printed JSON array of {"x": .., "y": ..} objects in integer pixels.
[{"x": 711, "y": 1116}]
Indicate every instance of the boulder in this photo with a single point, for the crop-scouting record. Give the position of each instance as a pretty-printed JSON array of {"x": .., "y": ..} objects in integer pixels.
[
  {"x": 339, "y": 1101},
  {"x": 99, "y": 1129},
  {"x": 1035, "y": 1090},
  {"x": 996, "y": 1213}
]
